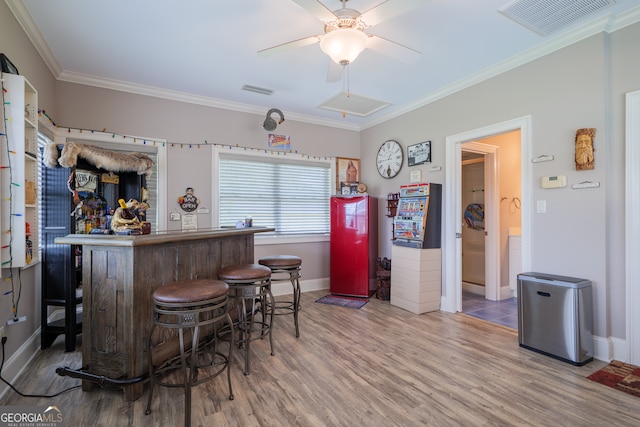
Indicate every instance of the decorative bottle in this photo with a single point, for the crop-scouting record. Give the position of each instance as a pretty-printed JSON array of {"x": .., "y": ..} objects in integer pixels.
[{"x": 28, "y": 244}]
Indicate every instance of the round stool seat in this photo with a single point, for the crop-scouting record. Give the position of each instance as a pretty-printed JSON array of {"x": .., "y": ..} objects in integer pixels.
[
  {"x": 244, "y": 273},
  {"x": 191, "y": 291},
  {"x": 281, "y": 261}
]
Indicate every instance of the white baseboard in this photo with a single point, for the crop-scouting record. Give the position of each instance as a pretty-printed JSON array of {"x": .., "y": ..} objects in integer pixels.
[
  {"x": 506, "y": 293},
  {"x": 472, "y": 288},
  {"x": 284, "y": 288},
  {"x": 18, "y": 362},
  {"x": 612, "y": 348}
]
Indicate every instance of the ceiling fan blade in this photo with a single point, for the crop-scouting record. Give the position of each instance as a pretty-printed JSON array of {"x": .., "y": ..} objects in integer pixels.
[
  {"x": 317, "y": 9},
  {"x": 388, "y": 9},
  {"x": 334, "y": 74},
  {"x": 289, "y": 45},
  {"x": 392, "y": 49}
]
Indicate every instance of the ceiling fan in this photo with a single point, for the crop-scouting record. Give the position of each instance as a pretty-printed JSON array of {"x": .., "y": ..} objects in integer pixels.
[{"x": 346, "y": 33}]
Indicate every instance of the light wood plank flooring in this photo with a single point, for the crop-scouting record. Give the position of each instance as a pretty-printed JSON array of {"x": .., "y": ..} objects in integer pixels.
[{"x": 376, "y": 366}]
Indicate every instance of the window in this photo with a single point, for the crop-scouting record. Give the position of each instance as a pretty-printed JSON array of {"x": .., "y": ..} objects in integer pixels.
[{"x": 289, "y": 194}]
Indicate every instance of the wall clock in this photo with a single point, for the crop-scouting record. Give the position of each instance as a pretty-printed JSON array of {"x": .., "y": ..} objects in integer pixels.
[{"x": 389, "y": 159}]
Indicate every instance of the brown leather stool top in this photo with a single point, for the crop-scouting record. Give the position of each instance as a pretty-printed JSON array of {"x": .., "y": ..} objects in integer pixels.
[
  {"x": 281, "y": 261},
  {"x": 244, "y": 273},
  {"x": 191, "y": 291}
]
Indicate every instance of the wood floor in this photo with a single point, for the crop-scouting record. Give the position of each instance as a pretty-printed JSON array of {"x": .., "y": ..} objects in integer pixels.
[{"x": 376, "y": 366}]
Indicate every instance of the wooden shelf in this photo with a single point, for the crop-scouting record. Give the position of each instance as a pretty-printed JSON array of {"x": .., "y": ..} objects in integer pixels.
[{"x": 392, "y": 204}]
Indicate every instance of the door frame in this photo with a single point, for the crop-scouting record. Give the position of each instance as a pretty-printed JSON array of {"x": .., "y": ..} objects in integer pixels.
[
  {"x": 451, "y": 300},
  {"x": 491, "y": 216},
  {"x": 632, "y": 225}
]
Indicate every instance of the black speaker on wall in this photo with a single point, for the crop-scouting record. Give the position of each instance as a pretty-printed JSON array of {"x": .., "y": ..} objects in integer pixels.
[{"x": 7, "y": 66}]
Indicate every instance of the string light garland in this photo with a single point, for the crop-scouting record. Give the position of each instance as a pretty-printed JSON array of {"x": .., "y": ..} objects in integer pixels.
[
  {"x": 8, "y": 248},
  {"x": 181, "y": 145}
]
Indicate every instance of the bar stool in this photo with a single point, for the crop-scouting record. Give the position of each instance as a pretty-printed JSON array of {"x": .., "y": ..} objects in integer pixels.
[
  {"x": 188, "y": 306},
  {"x": 282, "y": 266},
  {"x": 251, "y": 286}
]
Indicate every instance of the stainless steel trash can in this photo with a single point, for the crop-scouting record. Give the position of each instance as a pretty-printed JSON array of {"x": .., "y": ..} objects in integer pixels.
[{"x": 555, "y": 316}]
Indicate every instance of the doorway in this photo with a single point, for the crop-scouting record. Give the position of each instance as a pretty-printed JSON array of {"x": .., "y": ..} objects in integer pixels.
[
  {"x": 452, "y": 277},
  {"x": 487, "y": 232},
  {"x": 473, "y": 229}
]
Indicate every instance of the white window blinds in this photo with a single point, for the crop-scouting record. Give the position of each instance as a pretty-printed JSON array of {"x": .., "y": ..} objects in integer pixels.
[{"x": 291, "y": 196}]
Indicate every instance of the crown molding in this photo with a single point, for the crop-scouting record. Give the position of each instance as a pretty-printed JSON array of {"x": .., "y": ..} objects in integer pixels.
[{"x": 85, "y": 79}]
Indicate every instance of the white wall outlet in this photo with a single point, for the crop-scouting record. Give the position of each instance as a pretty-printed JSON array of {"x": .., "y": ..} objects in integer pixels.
[{"x": 18, "y": 320}]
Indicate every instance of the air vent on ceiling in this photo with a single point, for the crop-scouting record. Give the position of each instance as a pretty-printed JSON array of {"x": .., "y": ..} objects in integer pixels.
[
  {"x": 545, "y": 17},
  {"x": 356, "y": 105},
  {"x": 257, "y": 89}
]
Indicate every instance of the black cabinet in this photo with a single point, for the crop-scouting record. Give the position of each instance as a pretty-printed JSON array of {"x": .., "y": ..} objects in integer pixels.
[{"x": 62, "y": 264}]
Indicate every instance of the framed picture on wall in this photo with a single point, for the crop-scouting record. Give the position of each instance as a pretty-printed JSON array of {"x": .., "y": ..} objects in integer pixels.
[
  {"x": 347, "y": 171},
  {"x": 418, "y": 154}
]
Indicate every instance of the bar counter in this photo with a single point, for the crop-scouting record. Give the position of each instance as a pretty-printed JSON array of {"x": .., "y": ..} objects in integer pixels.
[{"x": 119, "y": 274}]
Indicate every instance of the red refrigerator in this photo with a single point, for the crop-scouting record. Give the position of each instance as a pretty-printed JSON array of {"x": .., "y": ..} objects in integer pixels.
[{"x": 353, "y": 245}]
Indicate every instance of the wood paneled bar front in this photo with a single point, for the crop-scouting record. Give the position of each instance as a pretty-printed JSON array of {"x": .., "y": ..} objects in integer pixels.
[{"x": 119, "y": 274}]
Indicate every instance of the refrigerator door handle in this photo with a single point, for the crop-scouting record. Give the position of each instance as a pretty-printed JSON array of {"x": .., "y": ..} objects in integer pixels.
[{"x": 544, "y": 294}]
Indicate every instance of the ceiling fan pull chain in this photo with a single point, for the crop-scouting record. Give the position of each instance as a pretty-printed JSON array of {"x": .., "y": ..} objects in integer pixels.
[{"x": 345, "y": 88}]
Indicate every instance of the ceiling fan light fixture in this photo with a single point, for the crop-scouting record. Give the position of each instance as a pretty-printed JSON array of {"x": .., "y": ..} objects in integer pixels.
[{"x": 343, "y": 45}]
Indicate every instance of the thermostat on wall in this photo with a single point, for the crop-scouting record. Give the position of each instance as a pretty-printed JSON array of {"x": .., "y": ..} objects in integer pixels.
[{"x": 557, "y": 181}]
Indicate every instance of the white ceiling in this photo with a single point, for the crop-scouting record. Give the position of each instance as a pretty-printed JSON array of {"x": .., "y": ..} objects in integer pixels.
[{"x": 205, "y": 51}]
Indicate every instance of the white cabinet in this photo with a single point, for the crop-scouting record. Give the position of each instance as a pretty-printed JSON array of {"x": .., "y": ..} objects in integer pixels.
[
  {"x": 416, "y": 279},
  {"x": 19, "y": 173}
]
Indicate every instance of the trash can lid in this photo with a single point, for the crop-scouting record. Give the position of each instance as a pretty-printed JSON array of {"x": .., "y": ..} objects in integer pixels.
[{"x": 554, "y": 279}]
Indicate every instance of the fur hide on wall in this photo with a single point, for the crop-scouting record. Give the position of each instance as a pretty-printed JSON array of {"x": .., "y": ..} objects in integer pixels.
[{"x": 113, "y": 161}]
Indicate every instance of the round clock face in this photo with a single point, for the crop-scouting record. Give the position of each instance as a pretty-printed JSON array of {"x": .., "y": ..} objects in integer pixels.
[{"x": 389, "y": 159}]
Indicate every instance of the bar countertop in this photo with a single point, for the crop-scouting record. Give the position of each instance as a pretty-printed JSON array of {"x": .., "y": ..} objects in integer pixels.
[{"x": 157, "y": 237}]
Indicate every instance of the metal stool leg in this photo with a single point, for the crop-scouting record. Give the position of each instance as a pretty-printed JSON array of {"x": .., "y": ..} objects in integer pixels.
[
  {"x": 260, "y": 303},
  {"x": 295, "y": 275}
]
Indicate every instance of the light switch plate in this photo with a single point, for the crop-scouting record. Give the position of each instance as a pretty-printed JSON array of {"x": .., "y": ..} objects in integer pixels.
[{"x": 541, "y": 206}]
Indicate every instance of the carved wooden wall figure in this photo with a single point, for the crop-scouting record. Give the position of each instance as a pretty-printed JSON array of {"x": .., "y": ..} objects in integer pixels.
[{"x": 584, "y": 148}]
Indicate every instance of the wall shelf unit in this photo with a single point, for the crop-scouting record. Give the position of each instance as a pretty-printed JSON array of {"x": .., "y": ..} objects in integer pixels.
[
  {"x": 19, "y": 180},
  {"x": 392, "y": 207}
]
